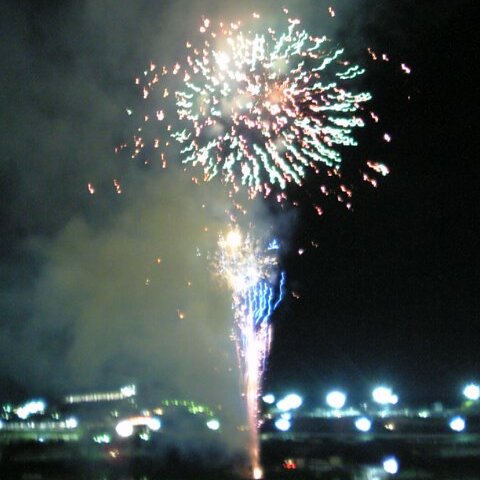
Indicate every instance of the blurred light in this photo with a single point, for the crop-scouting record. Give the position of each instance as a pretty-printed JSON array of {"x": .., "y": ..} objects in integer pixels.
[
  {"x": 30, "y": 408},
  {"x": 390, "y": 465},
  {"x": 336, "y": 399},
  {"x": 472, "y": 391},
  {"x": 289, "y": 402},
  {"x": 283, "y": 424},
  {"x": 128, "y": 391},
  {"x": 102, "y": 438},
  {"x": 154, "y": 424},
  {"x": 286, "y": 415},
  {"x": 257, "y": 473},
  {"x": 384, "y": 396},
  {"x": 124, "y": 392},
  {"x": 269, "y": 398},
  {"x": 457, "y": 424},
  {"x": 213, "y": 424},
  {"x": 363, "y": 424},
  {"x": 124, "y": 428},
  {"x": 114, "y": 453},
  {"x": 289, "y": 464},
  {"x": 222, "y": 60},
  {"x": 234, "y": 239},
  {"x": 71, "y": 422}
]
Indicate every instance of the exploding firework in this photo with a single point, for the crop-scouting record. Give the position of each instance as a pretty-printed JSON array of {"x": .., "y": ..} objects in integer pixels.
[
  {"x": 251, "y": 275},
  {"x": 259, "y": 109},
  {"x": 262, "y": 110}
]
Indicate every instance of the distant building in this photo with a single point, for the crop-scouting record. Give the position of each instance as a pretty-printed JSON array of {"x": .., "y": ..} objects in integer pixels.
[
  {"x": 39, "y": 430},
  {"x": 126, "y": 392}
]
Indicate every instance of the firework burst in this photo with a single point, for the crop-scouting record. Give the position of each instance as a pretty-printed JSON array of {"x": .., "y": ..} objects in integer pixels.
[
  {"x": 259, "y": 109},
  {"x": 263, "y": 109}
]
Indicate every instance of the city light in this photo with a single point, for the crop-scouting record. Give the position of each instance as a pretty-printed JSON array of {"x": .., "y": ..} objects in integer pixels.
[
  {"x": 71, "y": 422},
  {"x": 213, "y": 424},
  {"x": 472, "y": 392},
  {"x": 24, "y": 426},
  {"x": 269, "y": 398},
  {"x": 102, "y": 438},
  {"x": 384, "y": 396},
  {"x": 283, "y": 424},
  {"x": 390, "y": 465},
  {"x": 190, "y": 405},
  {"x": 290, "y": 402},
  {"x": 336, "y": 399},
  {"x": 124, "y": 428},
  {"x": 457, "y": 424},
  {"x": 127, "y": 391},
  {"x": 363, "y": 424},
  {"x": 154, "y": 424},
  {"x": 30, "y": 408}
]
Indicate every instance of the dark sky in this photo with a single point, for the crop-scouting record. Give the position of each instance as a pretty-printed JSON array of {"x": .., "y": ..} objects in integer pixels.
[{"x": 391, "y": 292}]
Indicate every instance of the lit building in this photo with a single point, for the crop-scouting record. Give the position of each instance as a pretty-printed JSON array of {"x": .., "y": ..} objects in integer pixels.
[
  {"x": 128, "y": 391},
  {"x": 43, "y": 430}
]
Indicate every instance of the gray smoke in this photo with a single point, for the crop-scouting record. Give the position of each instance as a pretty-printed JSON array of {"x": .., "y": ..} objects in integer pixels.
[{"x": 84, "y": 302}]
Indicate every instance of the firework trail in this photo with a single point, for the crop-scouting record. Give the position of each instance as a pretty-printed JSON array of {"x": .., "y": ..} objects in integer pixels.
[
  {"x": 259, "y": 109},
  {"x": 251, "y": 275}
]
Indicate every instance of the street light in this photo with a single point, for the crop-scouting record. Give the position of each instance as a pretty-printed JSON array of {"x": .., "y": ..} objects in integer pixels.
[
  {"x": 213, "y": 424},
  {"x": 283, "y": 424},
  {"x": 457, "y": 424},
  {"x": 71, "y": 422},
  {"x": 390, "y": 465},
  {"x": 384, "y": 396},
  {"x": 290, "y": 402},
  {"x": 269, "y": 398},
  {"x": 336, "y": 399},
  {"x": 363, "y": 424},
  {"x": 472, "y": 391},
  {"x": 124, "y": 428}
]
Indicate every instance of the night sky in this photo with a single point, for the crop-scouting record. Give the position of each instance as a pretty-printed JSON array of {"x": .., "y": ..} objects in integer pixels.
[{"x": 390, "y": 293}]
